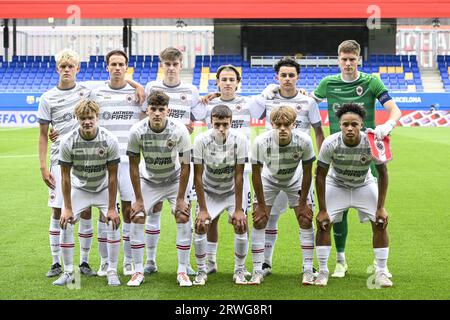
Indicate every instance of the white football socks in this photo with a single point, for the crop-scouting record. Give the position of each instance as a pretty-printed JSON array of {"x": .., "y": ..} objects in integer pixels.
[
  {"x": 152, "y": 230},
  {"x": 85, "y": 234},
  {"x": 54, "y": 235},
  {"x": 258, "y": 248},
  {"x": 137, "y": 246}
]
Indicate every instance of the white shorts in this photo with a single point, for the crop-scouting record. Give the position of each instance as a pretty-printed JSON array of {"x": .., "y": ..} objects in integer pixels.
[
  {"x": 124, "y": 186},
  {"x": 293, "y": 195},
  {"x": 154, "y": 194},
  {"x": 55, "y": 197},
  {"x": 280, "y": 204},
  {"x": 82, "y": 200},
  {"x": 217, "y": 204},
  {"x": 364, "y": 199}
]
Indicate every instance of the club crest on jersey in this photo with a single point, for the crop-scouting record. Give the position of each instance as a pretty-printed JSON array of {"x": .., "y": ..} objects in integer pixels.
[
  {"x": 170, "y": 144},
  {"x": 183, "y": 97},
  {"x": 298, "y": 107},
  {"x": 106, "y": 115},
  {"x": 364, "y": 158},
  {"x": 82, "y": 93},
  {"x": 101, "y": 152},
  {"x": 52, "y": 196},
  {"x": 130, "y": 98},
  {"x": 359, "y": 90},
  {"x": 296, "y": 156},
  {"x": 238, "y": 108}
]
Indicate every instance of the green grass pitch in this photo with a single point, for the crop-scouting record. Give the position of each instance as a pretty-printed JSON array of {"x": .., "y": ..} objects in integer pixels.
[{"x": 419, "y": 236}]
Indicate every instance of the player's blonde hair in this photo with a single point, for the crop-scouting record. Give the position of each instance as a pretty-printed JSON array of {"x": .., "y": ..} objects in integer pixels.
[
  {"x": 87, "y": 106},
  {"x": 67, "y": 55},
  {"x": 283, "y": 114},
  {"x": 349, "y": 46}
]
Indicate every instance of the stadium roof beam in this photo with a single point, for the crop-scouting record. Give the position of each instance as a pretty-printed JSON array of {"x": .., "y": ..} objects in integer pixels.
[{"x": 235, "y": 9}]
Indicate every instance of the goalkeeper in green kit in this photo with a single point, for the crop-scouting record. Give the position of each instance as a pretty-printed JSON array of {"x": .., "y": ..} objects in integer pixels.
[{"x": 364, "y": 89}]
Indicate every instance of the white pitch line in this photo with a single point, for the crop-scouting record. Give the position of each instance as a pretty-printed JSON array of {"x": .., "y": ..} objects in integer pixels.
[{"x": 19, "y": 156}]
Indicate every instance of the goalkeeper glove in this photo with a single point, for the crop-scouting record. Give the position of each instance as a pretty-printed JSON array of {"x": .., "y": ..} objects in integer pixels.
[{"x": 383, "y": 130}]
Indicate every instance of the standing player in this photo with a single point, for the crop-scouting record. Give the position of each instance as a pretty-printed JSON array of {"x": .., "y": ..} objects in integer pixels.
[
  {"x": 364, "y": 89},
  {"x": 89, "y": 157},
  {"x": 56, "y": 108},
  {"x": 278, "y": 153},
  {"x": 183, "y": 106},
  {"x": 227, "y": 80},
  {"x": 287, "y": 74},
  {"x": 219, "y": 158},
  {"x": 166, "y": 148},
  {"x": 119, "y": 110},
  {"x": 350, "y": 184}
]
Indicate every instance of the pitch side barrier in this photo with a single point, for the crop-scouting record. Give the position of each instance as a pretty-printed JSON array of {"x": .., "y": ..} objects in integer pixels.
[{"x": 418, "y": 109}]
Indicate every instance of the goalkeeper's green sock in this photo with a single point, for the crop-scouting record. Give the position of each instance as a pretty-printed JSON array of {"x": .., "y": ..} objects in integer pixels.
[{"x": 340, "y": 232}]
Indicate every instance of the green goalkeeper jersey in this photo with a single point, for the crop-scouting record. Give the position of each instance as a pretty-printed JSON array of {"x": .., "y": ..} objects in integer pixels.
[{"x": 364, "y": 91}]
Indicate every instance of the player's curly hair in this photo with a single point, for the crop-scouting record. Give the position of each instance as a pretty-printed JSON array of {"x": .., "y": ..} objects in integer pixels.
[
  {"x": 353, "y": 108},
  {"x": 287, "y": 62},
  {"x": 67, "y": 55},
  {"x": 86, "y": 106},
  {"x": 158, "y": 98}
]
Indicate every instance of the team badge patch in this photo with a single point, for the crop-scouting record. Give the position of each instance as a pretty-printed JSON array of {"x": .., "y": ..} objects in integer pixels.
[
  {"x": 364, "y": 158},
  {"x": 298, "y": 107},
  {"x": 238, "y": 108},
  {"x": 52, "y": 196},
  {"x": 183, "y": 97},
  {"x": 170, "y": 144},
  {"x": 359, "y": 90},
  {"x": 101, "y": 152},
  {"x": 82, "y": 93},
  {"x": 380, "y": 149},
  {"x": 130, "y": 98},
  {"x": 295, "y": 156}
]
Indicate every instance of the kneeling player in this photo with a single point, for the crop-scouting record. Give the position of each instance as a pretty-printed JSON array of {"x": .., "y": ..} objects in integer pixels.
[
  {"x": 219, "y": 158},
  {"x": 278, "y": 153},
  {"x": 166, "y": 147},
  {"x": 89, "y": 157},
  {"x": 350, "y": 184}
]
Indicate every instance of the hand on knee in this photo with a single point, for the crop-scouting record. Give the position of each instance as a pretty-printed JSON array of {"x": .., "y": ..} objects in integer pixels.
[
  {"x": 304, "y": 223},
  {"x": 260, "y": 224},
  {"x": 138, "y": 219},
  {"x": 181, "y": 218}
]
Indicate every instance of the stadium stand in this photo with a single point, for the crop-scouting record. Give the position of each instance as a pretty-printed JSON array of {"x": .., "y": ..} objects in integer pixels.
[
  {"x": 444, "y": 68},
  {"x": 398, "y": 72}
]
